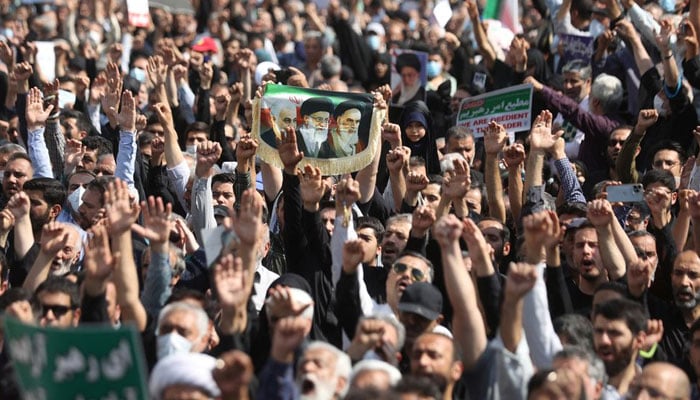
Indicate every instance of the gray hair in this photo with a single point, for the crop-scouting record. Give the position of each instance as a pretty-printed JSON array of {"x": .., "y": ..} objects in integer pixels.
[
  {"x": 596, "y": 368},
  {"x": 583, "y": 68},
  {"x": 393, "y": 321},
  {"x": 11, "y": 148},
  {"x": 607, "y": 89},
  {"x": 330, "y": 66},
  {"x": 377, "y": 365},
  {"x": 315, "y": 35},
  {"x": 201, "y": 317},
  {"x": 343, "y": 365},
  {"x": 402, "y": 218}
]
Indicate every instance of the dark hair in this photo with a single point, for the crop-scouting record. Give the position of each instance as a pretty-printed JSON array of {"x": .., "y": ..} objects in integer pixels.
[
  {"x": 52, "y": 190},
  {"x": 197, "y": 126},
  {"x": 584, "y": 8},
  {"x": 435, "y": 178},
  {"x": 13, "y": 295},
  {"x": 416, "y": 161},
  {"x": 420, "y": 385},
  {"x": 659, "y": 176},
  {"x": 623, "y": 309},
  {"x": 81, "y": 120},
  {"x": 577, "y": 209},
  {"x": 59, "y": 284},
  {"x": 224, "y": 177},
  {"x": 102, "y": 145},
  {"x": 612, "y": 286},
  {"x": 576, "y": 328},
  {"x": 18, "y": 156},
  {"x": 635, "y": 234},
  {"x": 374, "y": 224},
  {"x": 458, "y": 132},
  {"x": 411, "y": 253},
  {"x": 673, "y": 146},
  {"x": 100, "y": 184},
  {"x": 505, "y": 232}
]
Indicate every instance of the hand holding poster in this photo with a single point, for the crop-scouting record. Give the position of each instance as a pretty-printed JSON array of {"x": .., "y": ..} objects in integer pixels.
[
  {"x": 97, "y": 362},
  {"x": 510, "y": 107},
  {"x": 337, "y": 132},
  {"x": 576, "y": 48}
]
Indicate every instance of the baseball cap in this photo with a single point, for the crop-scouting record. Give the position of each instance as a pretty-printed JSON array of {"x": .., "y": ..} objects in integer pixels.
[
  {"x": 204, "y": 44},
  {"x": 422, "y": 298}
]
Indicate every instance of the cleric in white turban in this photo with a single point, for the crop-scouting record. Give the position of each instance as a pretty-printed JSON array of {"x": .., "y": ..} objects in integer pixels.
[{"x": 184, "y": 375}]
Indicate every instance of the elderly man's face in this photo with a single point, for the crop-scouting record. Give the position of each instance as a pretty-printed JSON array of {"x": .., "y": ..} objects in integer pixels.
[
  {"x": 287, "y": 117},
  {"x": 316, "y": 377},
  {"x": 349, "y": 121},
  {"x": 319, "y": 120}
]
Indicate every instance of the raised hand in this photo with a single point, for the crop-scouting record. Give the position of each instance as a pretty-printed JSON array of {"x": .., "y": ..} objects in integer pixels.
[
  {"x": 247, "y": 221},
  {"x": 514, "y": 156},
  {"x": 447, "y": 230},
  {"x": 347, "y": 192},
  {"x": 392, "y": 134},
  {"x": 520, "y": 280},
  {"x": 156, "y": 221},
  {"x": 416, "y": 182},
  {"x": 208, "y": 153},
  {"x": 206, "y": 74},
  {"x": 385, "y": 91},
  {"x": 423, "y": 219},
  {"x": 456, "y": 185},
  {"x": 99, "y": 261},
  {"x": 244, "y": 60},
  {"x": 231, "y": 282},
  {"x": 639, "y": 276},
  {"x": 536, "y": 85},
  {"x": 495, "y": 138},
  {"x": 625, "y": 30},
  {"x": 246, "y": 149},
  {"x": 120, "y": 211},
  {"x": 353, "y": 254},
  {"x": 23, "y": 71},
  {"x": 646, "y": 119},
  {"x": 7, "y": 220},
  {"x": 114, "y": 52},
  {"x": 7, "y": 55},
  {"x": 157, "y": 71},
  {"x": 693, "y": 206},
  {"x": 397, "y": 159},
  {"x": 54, "y": 237},
  {"x": 126, "y": 118},
  {"x": 281, "y": 303},
  {"x": 312, "y": 187},
  {"x": 663, "y": 37},
  {"x": 19, "y": 205},
  {"x": 74, "y": 152},
  {"x": 692, "y": 49},
  {"x": 164, "y": 114},
  {"x": 541, "y": 137},
  {"x": 288, "y": 151},
  {"x": 98, "y": 89},
  {"x": 288, "y": 335},
  {"x": 233, "y": 373},
  {"x": 654, "y": 333},
  {"x": 36, "y": 115},
  {"x": 110, "y": 101},
  {"x": 600, "y": 213}
]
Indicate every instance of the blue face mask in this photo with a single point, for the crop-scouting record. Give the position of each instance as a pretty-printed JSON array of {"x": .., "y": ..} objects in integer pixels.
[
  {"x": 138, "y": 74},
  {"x": 373, "y": 42},
  {"x": 412, "y": 25},
  {"x": 433, "y": 69}
]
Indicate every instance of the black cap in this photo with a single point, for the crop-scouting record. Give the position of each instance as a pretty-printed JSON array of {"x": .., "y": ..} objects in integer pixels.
[
  {"x": 422, "y": 298},
  {"x": 407, "y": 60},
  {"x": 316, "y": 104}
]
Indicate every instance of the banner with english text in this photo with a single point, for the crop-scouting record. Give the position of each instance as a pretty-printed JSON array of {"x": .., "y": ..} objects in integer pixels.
[{"x": 510, "y": 107}]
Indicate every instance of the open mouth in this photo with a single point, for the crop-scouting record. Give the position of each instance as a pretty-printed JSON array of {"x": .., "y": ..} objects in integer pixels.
[
  {"x": 402, "y": 285},
  {"x": 307, "y": 386}
]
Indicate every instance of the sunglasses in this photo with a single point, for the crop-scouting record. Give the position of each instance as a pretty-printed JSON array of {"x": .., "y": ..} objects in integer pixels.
[
  {"x": 57, "y": 310},
  {"x": 416, "y": 273}
]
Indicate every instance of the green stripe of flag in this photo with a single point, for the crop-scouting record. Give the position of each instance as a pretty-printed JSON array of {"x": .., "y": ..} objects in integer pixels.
[{"x": 492, "y": 9}]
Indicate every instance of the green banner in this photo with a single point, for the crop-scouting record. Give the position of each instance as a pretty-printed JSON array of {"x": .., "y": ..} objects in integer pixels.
[
  {"x": 95, "y": 362},
  {"x": 509, "y": 107}
]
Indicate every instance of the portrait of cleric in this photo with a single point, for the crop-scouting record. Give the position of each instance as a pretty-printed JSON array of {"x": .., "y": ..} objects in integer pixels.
[
  {"x": 349, "y": 130},
  {"x": 328, "y": 125},
  {"x": 408, "y": 78}
]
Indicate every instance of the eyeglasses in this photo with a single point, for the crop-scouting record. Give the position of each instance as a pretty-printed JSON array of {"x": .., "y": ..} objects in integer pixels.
[
  {"x": 57, "y": 310},
  {"x": 651, "y": 192},
  {"x": 417, "y": 274},
  {"x": 320, "y": 120},
  {"x": 668, "y": 163}
]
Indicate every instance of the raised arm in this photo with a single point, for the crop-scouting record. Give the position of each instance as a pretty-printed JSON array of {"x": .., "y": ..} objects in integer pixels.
[
  {"x": 202, "y": 199},
  {"x": 19, "y": 206},
  {"x": 467, "y": 324},
  {"x": 495, "y": 139},
  {"x": 601, "y": 215},
  {"x": 626, "y": 31},
  {"x": 672, "y": 78},
  {"x": 514, "y": 157},
  {"x": 541, "y": 139},
  {"x": 126, "y": 157},
  {"x": 54, "y": 237},
  {"x": 121, "y": 213},
  {"x": 36, "y": 124},
  {"x": 482, "y": 40},
  {"x": 367, "y": 176},
  {"x": 397, "y": 162},
  {"x": 625, "y": 165}
]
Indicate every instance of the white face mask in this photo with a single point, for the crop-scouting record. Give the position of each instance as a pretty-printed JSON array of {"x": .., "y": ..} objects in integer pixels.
[
  {"x": 75, "y": 199},
  {"x": 659, "y": 106},
  {"x": 172, "y": 343},
  {"x": 191, "y": 149}
]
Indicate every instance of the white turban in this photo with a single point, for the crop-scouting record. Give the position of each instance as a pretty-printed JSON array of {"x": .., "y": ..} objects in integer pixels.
[{"x": 191, "y": 369}]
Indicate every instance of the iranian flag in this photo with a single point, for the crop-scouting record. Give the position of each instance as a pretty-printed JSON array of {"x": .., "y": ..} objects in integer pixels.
[{"x": 505, "y": 11}]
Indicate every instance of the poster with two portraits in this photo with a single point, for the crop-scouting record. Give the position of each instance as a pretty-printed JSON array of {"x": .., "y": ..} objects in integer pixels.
[{"x": 337, "y": 132}]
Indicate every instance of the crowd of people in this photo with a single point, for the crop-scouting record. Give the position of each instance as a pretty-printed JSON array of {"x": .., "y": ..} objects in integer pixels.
[{"x": 457, "y": 264}]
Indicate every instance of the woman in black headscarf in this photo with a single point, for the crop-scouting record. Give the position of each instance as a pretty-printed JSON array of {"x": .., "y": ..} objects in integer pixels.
[{"x": 417, "y": 134}]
